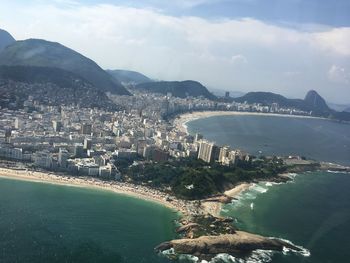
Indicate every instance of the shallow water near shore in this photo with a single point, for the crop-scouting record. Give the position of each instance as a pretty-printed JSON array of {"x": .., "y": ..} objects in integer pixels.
[
  {"x": 313, "y": 210},
  {"x": 48, "y": 223}
]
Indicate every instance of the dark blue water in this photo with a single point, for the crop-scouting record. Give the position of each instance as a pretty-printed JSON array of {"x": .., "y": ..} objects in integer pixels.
[
  {"x": 314, "y": 210},
  {"x": 313, "y": 138}
]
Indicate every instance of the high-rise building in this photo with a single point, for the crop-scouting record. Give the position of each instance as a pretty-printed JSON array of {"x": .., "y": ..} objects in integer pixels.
[
  {"x": 19, "y": 123},
  {"x": 208, "y": 151},
  {"x": 63, "y": 156},
  {"x": 87, "y": 144},
  {"x": 198, "y": 137},
  {"x": 224, "y": 151},
  {"x": 227, "y": 94},
  {"x": 78, "y": 150},
  {"x": 8, "y": 134},
  {"x": 57, "y": 126},
  {"x": 86, "y": 128}
]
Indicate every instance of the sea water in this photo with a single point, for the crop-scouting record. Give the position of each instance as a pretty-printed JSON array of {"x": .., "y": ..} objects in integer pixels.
[
  {"x": 52, "y": 223},
  {"x": 313, "y": 210}
]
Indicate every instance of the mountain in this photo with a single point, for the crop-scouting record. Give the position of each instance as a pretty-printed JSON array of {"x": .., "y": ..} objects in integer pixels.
[
  {"x": 339, "y": 107},
  {"x": 180, "y": 89},
  {"x": 129, "y": 77},
  {"x": 51, "y": 86},
  {"x": 312, "y": 102},
  {"x": 42, "y": 53},
  {"x": 5, "y": 39},
  {"x": 266, "y": 98},
  {"x": 316, "y": 103},
  {"x": 347, "y": 109}
]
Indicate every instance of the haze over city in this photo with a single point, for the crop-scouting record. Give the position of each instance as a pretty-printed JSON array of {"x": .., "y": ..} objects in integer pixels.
[{"x": 287, "y": 48}]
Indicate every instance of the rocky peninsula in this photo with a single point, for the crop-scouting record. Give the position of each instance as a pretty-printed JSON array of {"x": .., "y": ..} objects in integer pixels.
[{"x": 237, "y": 244}]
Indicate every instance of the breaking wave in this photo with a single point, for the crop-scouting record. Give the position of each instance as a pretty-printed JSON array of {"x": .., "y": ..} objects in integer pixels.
[
  {"x": 256, "y": 189},
  {"x": 257, "y": 256}
]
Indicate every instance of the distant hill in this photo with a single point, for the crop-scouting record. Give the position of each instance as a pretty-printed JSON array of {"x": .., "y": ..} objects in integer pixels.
[
  {"x": 41, "y": 53},
  {"x": 180, "y": 89},
  {"x": 267, "y": 98},
  {"x": 312, "y": 102},
  {"x": 339, "y": 107},
  {"x": 129, "y": 77},
  {"x": 316, "y": 103},
  {"x": 5, "y": 39},
  {"x": 347, "y": 109},
  {"x": 52, "y": 86}
]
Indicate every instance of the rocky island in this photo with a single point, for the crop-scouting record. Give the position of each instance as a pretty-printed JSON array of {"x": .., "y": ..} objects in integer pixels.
[{"x": 238, "y": 244}]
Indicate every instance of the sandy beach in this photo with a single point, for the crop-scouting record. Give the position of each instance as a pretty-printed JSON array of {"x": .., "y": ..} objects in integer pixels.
[
  {"x": 141, "y": 192},
  {"x": 234, "y": 192},
  {"x": 214, "y": 208},
  {"x": 181, "y": 121}
]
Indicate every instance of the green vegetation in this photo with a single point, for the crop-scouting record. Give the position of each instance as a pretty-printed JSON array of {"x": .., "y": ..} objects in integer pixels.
[
  {"x": 194, "y": 179},
  {"x": 41, "y": 53},
  {"x": 209, "y": 225},
  {"x": 180, "y": 89}
]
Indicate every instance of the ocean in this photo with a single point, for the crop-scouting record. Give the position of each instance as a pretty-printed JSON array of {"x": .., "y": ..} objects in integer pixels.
[
  {"x": 50, "y": 223},
  {"x": 313, "y": 210}
]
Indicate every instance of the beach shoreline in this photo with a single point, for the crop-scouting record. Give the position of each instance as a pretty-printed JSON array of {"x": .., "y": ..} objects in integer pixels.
[
  {"x": 135, "y": 191},
  {"x": 180, "y": 121},
  {"x": 184, "y": 208},
  {"x": 214, "y": 207}
]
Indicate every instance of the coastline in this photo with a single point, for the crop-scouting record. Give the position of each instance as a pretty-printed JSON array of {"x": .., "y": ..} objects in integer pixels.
[
  {"x": 140, "y": 192},
  {"x": 214, "y": 207},
  {"x": 180, "y": 121},
  {"x": 135, "y": 191}
]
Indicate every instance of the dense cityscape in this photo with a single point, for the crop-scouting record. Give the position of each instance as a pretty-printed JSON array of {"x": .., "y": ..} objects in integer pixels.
[{"x": 89, "y": 141}]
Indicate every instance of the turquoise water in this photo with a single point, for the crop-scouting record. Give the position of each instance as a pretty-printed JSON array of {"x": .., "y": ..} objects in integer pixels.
[
  {"x": 313, "y": 211},
  {"x": 49, "y": 223}
]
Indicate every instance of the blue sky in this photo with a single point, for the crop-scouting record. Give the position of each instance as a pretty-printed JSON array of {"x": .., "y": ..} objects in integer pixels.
[{"x": 284, "y": 46}]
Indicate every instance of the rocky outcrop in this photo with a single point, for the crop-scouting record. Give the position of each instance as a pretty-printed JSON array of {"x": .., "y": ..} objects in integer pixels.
[
  {"x": 187, "y": 227},
  {"x": 224, "y": 199},
  {"x": 233, "y": 244}
]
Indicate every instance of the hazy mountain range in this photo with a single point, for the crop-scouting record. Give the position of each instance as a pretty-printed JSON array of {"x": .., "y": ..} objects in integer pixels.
[
  {"x": 128, "y": 76},
  {"x": 30, "y": 61},
  {"x": 312, "y": 102}
]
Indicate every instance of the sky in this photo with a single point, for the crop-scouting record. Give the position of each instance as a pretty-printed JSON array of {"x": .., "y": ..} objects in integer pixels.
[{"x": 282, "y": 46}]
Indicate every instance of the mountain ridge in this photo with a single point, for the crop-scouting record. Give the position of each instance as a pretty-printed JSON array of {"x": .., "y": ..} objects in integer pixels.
[
  {"x": 128, "y": 76},
  {"x": 312, "y": 102},
  {"x": 5, "y": 39},
  {"x": 42, "y": 53},
  {"x": 180, "y": 89}
]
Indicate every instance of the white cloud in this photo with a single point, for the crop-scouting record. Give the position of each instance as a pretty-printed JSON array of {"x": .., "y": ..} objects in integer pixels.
[
  {"x": 339, "y": 74},
  {"x": 291, "y": 74},
  {"x": 169, "y": 47},
  {"x": 239, "y": 60},
  {"x": 185, "y": 3},
  {"x": 336, "y": 40}
]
